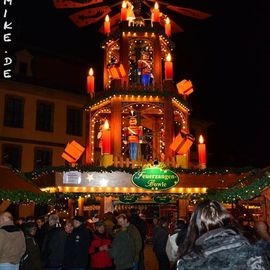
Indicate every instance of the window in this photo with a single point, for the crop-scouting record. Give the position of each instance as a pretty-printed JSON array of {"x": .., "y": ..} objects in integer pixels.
[
  {"x": 14, "y": 111},
  {"x": 44, "y": 117},
  {"x": 11, "y": 155},
  {"x": 74, "y": 121},
  {"x": 43, "y": 157},
  {"x": 23, "y": 68}
]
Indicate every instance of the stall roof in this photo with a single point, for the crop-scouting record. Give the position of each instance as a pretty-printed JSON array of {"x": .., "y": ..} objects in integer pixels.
[{"x": 11, "y": 181}]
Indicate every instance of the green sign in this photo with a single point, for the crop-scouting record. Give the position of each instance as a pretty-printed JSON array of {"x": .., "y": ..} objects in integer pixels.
[
  {"x": 128, "y": 198},
  {"x": 155, "y": 178},
  {"x": 162, "y": 199}
]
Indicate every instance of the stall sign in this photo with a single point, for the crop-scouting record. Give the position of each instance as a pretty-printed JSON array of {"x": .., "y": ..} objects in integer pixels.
[
  {"x": 128, "y": 198},
  {"x": 162, "y": 199},
  {"x": 72, "y": 177},
  {"x": 155, "y": 178}
]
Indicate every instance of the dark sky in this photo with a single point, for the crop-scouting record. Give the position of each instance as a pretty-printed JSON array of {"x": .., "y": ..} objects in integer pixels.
[{"x": 226, "y": 56}]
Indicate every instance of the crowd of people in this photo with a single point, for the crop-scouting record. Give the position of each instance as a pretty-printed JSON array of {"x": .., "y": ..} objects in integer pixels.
[{"x": 211, "y": 239}]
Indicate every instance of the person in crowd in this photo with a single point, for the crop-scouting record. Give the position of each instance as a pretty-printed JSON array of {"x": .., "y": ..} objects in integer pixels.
[
  {"x": 30, "y": 219},
  {"x": 175, "y": 240},
  {"x": 31, "y": 258},
  {"x": 52, "y": 253},
  {"x": 12, "y": 243},
  {"x": 141, "y": 225},
  {"x": 100, "y": 259},
  {"x": 212, "y": 242},
  {"x": 41, "y": 231},
  {"x": 123, "y": 249},
  {"x": 20, "y": 221},
  {"x": 262, "y": 230},
  {"x": 68, "y": 227},
  {"x": 135, "y": 234},
  {"x": 77, "y": 245},
  {"x": 160, "y": 238},
  {"x": 109, "y": 222}
]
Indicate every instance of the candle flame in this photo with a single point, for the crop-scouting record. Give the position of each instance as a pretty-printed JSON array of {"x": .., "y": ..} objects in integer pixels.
[
  {"x": 167, "y": 20},
  {"x": 201, "y": 140},
  {"x": 107, "y": 19},
  {"x": 169, "y": 57},
  {"x": 156, "y": 6},
  {"x": 106, "y": 125},
  {"x": 124, "y": 4},
  {"x": 91, "y": 72}
]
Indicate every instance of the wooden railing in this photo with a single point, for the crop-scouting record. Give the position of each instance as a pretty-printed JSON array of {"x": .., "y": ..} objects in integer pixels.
[{"x": 126, "y": 162}]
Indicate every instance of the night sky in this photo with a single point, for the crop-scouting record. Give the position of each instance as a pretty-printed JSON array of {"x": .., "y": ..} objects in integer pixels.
[{"x": 227, "y": 57}]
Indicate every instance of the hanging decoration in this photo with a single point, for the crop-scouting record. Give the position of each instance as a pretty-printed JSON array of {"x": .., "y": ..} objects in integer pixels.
[
  {"x": 182, "y": 142},
  {"x": 185, "y": 87}
]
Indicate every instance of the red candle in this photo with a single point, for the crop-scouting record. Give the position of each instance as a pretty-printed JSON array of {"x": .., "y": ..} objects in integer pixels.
[
  {"x": 91, "y": 82},
  {"x": 168, "y": 68},
  {"x": 168, "y": 30},
  {"x": 202, "y": 153},
  {"x": 107, "y": 26},
  {"x": 124, "y": 11},
  {"x": 155, "y": 13},
  {"x": 106, "y": 138}
]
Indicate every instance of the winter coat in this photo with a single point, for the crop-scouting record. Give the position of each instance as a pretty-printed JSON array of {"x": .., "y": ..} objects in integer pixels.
[
  {"x": 31, "y": 258},
  {"x": 12, "y": 244},
  {"x": 100, "y": 259},
  {"x": 77, "y": 246},
  {"x": 159, "y": 242},
  {"x": 52, "y": 254},
  {"x": 223, "y": 249},
  {"x": 123, "y": 250},
  {"x": 136, "y": 236}
]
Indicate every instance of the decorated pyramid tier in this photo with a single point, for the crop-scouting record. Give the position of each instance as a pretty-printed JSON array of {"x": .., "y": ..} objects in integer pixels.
[{"x": 145, "y": 113}]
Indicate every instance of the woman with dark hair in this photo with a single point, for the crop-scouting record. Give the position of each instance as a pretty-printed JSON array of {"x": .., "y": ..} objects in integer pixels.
[{"x": 212, "y": 242}]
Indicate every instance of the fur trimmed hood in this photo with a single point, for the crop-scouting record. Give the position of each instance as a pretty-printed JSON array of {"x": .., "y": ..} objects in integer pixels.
[{"x": 224, "y": 249}]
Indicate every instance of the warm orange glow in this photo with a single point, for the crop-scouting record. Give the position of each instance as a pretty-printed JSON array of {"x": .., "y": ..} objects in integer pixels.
[
  {"x": 167, "y": 20},
  {"x": 91, "y": 72},
  {"x": 201, "y": 140},
  {"x": 106, "y": 125},
  {"x": 168, "y": 57},
  {"x": 107, "y": 18},
  {"x": 156, "y": 5},
  {"x": 124, "y": 4}
]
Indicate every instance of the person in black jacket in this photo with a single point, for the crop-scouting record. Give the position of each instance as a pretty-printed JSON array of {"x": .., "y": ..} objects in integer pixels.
[
  {"x": 31, "y": 258},
  {"x": 159, "y": 244},
  {"x": 213, "y": 242},
  {"x": 52, "y": 253},
  {"x": 77, "y": 245}
]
